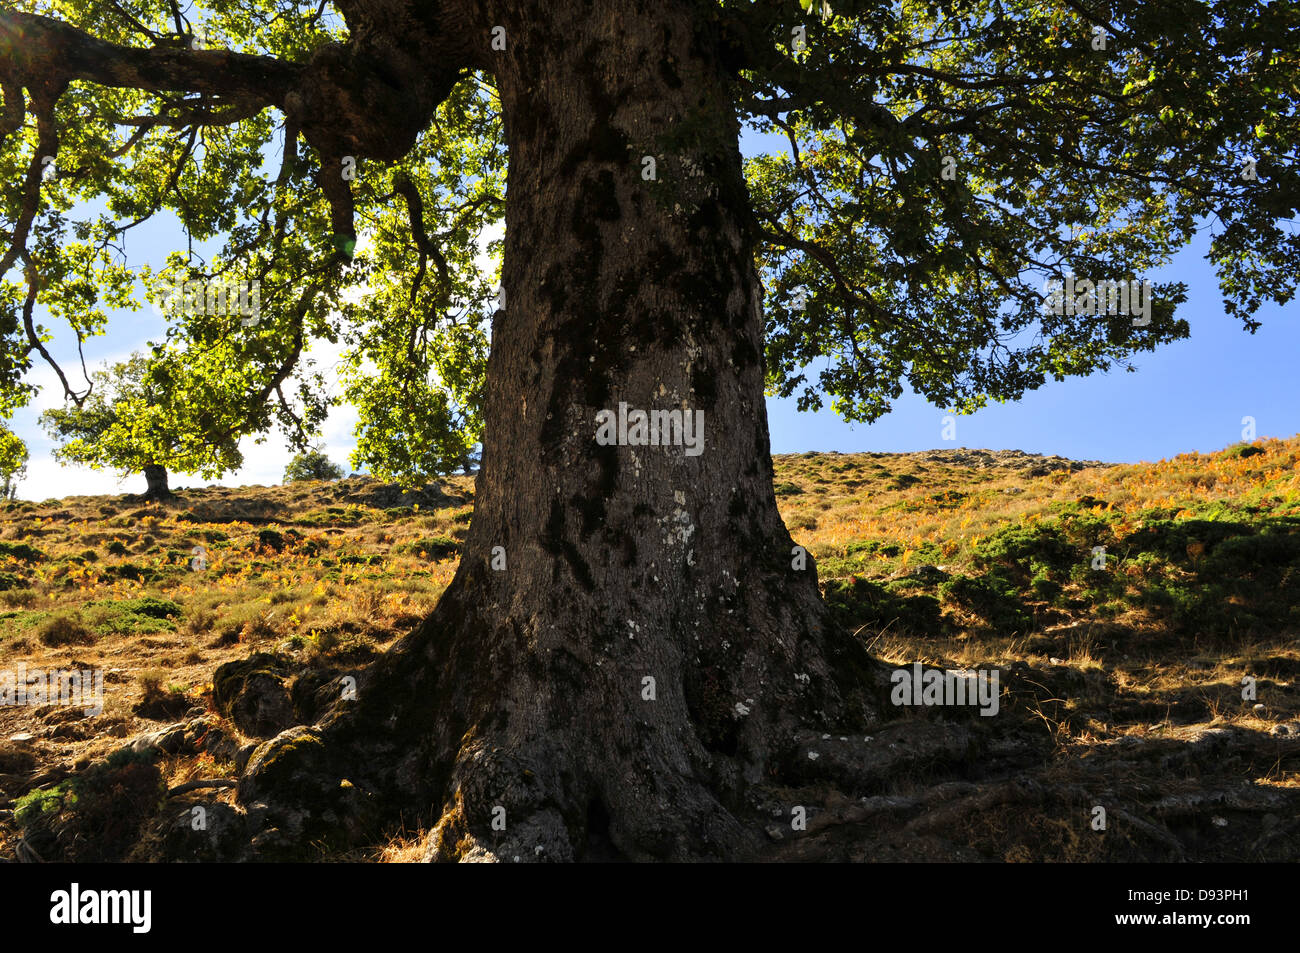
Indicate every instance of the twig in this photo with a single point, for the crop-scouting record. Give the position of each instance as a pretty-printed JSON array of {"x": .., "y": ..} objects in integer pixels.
[
  {"x": 208, "y": 783},
  {"x": 26, "y": 853}
]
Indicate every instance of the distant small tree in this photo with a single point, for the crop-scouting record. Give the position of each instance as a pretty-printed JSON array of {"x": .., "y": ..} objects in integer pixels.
[
  {"x": 312, "y": 465},
  {"x": 133, "y": 421},
  {"x": 13, "y": 463}
]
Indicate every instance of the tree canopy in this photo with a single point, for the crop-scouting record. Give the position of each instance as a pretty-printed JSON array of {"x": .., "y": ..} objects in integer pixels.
[
  {"x": 13, "y": 462},
  {"x": 939, "y": 162},
  {"x": 312, "y": 465},
  {"x": 129, "y": 421}
]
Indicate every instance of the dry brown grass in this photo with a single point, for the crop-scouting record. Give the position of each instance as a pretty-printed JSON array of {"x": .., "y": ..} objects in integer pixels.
[{"x": 324, "y": 571}]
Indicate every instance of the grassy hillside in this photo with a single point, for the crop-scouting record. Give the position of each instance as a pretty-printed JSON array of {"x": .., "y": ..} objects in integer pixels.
[{"x": 957, "y": 558}]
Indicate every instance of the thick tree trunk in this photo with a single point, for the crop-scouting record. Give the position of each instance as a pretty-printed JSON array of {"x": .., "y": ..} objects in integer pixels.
[
  {"x": 630, "y": 640},
  {"x": 155, "y": 478}
]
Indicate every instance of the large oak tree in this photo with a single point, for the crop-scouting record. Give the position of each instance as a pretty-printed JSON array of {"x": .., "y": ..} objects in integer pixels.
[{"x": 632, "y": 643}]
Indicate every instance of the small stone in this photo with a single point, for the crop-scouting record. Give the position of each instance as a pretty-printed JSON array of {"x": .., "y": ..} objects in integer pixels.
[
  {"x": 1219, "y": 821},
  {"x": 813, "y": 756}
]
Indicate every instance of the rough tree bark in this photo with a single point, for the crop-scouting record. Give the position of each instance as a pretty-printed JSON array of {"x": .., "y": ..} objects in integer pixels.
[
  {"x": 524, "y": 700},
  {"x": 155, "y": 478}
]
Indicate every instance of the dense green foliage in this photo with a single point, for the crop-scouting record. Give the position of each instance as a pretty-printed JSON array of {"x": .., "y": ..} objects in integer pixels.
[
  {"x": 1065, "y": 158},
  {"x": 131, "y": 419},
  {"x": 312, "y": 465},
  {"x": 13, "y": 462}
]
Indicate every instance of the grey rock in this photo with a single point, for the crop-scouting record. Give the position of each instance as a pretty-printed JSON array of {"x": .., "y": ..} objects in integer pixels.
[
  {"x": 169, "y": 740},
  {"x": 254, "y": 695}
]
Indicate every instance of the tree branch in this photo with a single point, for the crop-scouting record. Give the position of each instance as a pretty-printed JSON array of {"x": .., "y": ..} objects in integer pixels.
[
  {"x": 34, "y": 342},
  {"x": 41, "y": 50},
  {"x": 47, "y": 144},
  {"x": 404, "y": 187}
]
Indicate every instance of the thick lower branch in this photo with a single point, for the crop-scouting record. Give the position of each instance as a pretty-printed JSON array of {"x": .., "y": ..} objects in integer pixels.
[{"x": 40, "y": 49}]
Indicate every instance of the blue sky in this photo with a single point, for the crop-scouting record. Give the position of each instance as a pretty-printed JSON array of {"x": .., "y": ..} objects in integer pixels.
[{"x": 1190, "y": 395}]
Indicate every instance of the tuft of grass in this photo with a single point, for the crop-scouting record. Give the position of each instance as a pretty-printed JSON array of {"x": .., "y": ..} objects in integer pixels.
[
  {"x": 143, "y": 615},
  {"x": 434, "y": 547},
  {"x": 66, "y": 628},
  {"x": 151, "y": 682},
  {"x": 23, "y": 552}
]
